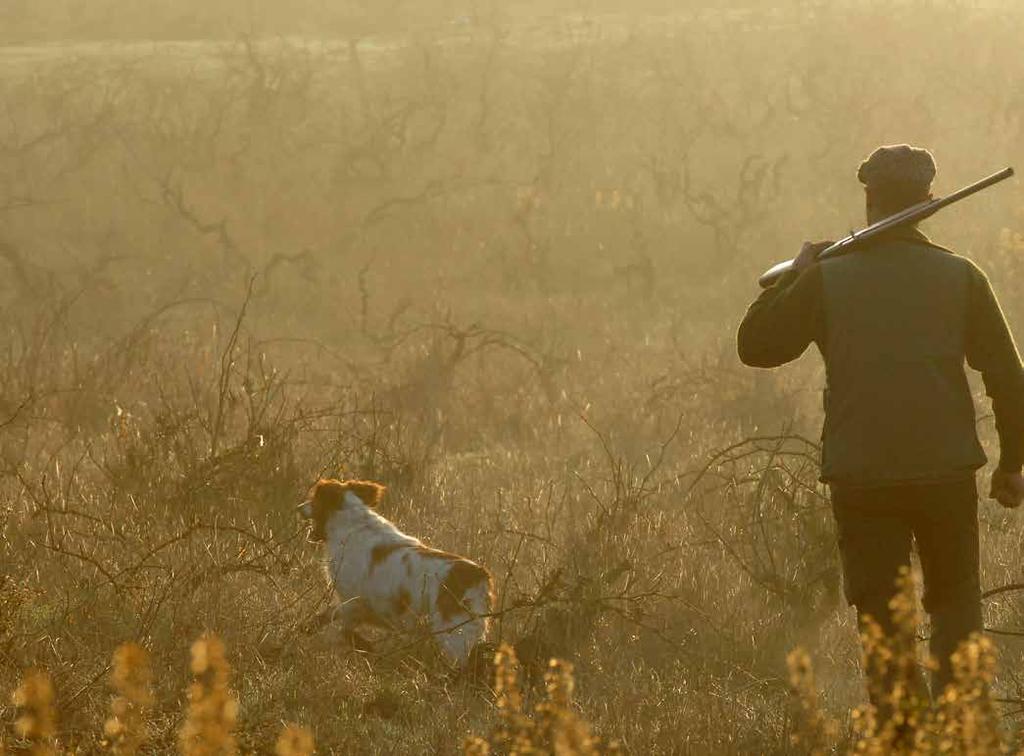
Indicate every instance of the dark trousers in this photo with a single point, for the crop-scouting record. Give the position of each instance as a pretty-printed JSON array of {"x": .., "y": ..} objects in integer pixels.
[{"x": 876, "y": 527}]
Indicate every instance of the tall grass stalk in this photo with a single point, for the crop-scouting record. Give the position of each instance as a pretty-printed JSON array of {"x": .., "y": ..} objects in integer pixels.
[
  {"x": 132, "y": 679},
  {"x": 212, "y": 708},
  {"x": 552, "y": 727},
  {"x": 37, "y": 719}
]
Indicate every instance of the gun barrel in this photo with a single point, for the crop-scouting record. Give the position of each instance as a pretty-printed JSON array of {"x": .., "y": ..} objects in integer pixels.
[{"x": 910, "y": 215}]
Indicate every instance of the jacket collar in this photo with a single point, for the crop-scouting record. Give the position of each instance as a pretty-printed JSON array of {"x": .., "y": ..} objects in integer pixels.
[{"x": 904, "y": 234}]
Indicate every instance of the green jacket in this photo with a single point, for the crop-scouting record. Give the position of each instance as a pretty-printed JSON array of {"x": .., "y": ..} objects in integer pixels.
[{"x": 895, "y": 322}]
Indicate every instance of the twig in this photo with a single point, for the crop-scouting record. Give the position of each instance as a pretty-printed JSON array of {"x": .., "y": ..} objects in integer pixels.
[
  {"x": 224, "y": 378},
  {"x": 1002, "y": 589}
]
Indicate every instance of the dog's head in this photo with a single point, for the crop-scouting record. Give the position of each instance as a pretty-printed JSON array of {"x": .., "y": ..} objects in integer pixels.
[{"x": 330, "y": 496}]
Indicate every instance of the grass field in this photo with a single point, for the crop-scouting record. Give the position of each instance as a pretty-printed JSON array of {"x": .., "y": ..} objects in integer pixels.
[{"x": 496, "y": 263}]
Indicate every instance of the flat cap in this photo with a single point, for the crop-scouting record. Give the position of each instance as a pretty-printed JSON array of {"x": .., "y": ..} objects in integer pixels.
[{"x": 898, "y": 164}]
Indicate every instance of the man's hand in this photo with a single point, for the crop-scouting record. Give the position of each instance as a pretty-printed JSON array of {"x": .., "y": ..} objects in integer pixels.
[
  {"x": 809, "y": 254},
  {"x": 1007, "y": 488}
]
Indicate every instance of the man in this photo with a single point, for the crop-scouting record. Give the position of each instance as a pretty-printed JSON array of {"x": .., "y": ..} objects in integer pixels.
[{"x": 894, "y": 321}]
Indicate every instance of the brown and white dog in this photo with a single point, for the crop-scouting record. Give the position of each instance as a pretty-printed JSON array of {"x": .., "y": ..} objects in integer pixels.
[{"x": 385, "y": 577}]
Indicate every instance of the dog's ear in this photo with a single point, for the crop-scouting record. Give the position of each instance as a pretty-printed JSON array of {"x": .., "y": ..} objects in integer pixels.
[
  {"x": 327, "y": 493},
  {"x": 370, "y": 492}
]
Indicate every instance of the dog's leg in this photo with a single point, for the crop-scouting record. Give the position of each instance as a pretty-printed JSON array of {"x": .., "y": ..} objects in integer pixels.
[
  {"x": 458, "y": 636},
  {"x": 456, "y": 646},
  {"x": 348, "y": 616}
]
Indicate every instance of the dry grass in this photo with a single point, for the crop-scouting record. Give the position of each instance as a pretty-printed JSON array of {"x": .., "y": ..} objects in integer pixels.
[
  {"x": 212, "y": 708},
  {"x": 496, "y": 266},
  {"x": 963, "y": 720},
  {"x": 36, "y": 722},
  {"x": 126, "y": 728},
  {"x": 295, "y": 740},
  {"x": 552, "y": 727}
]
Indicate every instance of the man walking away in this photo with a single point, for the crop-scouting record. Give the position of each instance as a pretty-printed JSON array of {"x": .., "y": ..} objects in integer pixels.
[{"x": 895, "y": 321}]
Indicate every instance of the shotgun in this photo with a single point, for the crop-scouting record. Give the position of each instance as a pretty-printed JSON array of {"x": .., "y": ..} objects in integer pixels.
[{"x": 912, "y": 214}]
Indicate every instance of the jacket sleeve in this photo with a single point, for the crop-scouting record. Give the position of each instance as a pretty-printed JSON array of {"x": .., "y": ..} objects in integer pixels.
[
  {"x": 783, "y": 320},
  {"x": 991, "y": 350}
]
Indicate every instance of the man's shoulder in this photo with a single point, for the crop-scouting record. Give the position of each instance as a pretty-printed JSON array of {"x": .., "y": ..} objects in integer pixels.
[
  {"x": 953, "y": 259},
  {"x": 950, "y": 260},
  {"x": 893, "y": 264},
  {"x": 884, "y": 249}
]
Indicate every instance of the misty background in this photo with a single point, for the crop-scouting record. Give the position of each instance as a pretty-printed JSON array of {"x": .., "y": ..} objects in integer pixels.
[{"x": 492, "y": 255}]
